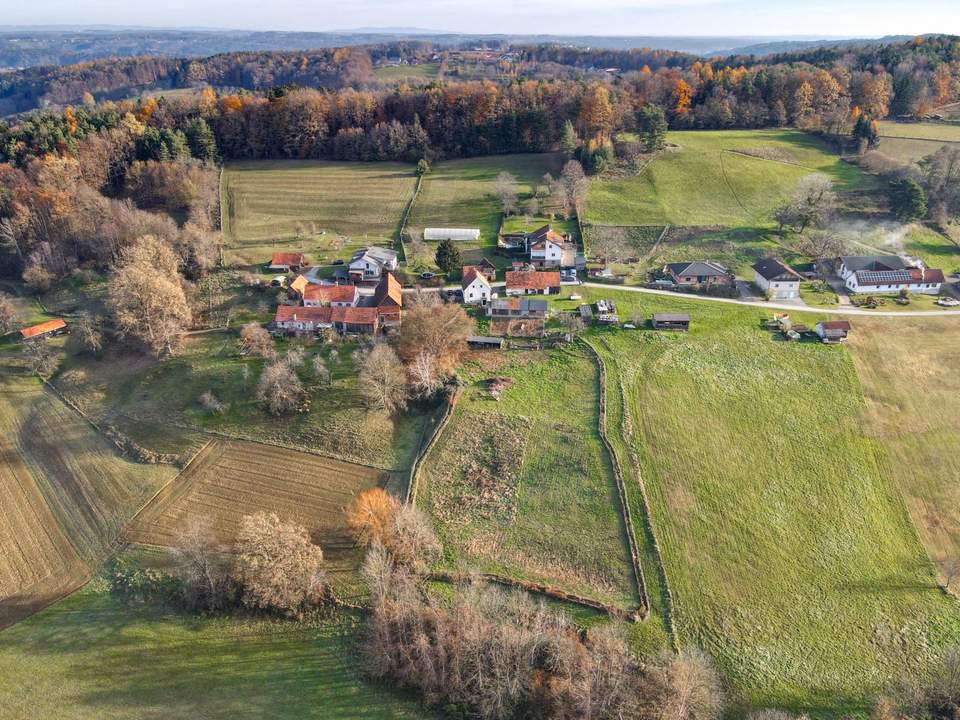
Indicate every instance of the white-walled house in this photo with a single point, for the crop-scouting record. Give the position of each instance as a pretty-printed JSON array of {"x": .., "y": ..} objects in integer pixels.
[
  {"x": 879, "y": 282},
  {"x": 476, "y": 286},
  {"x": 370, "y": 263},
  {"x": 547, "y": 253},
  {"x": 779, "y": 281}
]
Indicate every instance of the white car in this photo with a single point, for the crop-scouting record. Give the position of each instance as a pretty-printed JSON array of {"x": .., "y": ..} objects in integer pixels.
[{"x": 948, "y": 302}]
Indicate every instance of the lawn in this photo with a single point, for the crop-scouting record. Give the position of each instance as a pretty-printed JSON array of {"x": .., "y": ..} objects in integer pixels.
[
  {"x": 460, "y": 193},
  {"x": 162, "y": 400},
  {"x": 91, "y": 656},
  {"x": 522, "y": 486},
  {"x": 912, "y": 391},
  {"x": 789, "y": 553},
  {"x": 722, "y": 178},
  {"x": 909, "y": 142},
  {"x": 326, "y": 209}
]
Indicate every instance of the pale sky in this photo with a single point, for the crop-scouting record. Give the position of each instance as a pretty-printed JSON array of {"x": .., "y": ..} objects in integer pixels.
[{"x": 819, "y": 18}]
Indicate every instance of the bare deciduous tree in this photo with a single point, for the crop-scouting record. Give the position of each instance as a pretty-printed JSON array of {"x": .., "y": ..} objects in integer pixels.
[
  {"x": 85, "y": 334},
  {"x": 383, "y": 380},
  {"x": 9, "y": 317},
  {"x": 505, "y": 185},
  {"x": 278, "y": 565},
  {"x": 200, "y": 564},
  {"x": 279, "y": 389},
  {"x": 41, "y": 357},
  {"x": 256, "y": 341}
]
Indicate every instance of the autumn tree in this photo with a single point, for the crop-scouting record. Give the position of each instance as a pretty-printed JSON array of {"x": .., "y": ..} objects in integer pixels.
[
  {"x": 438, "y": 331},
  {"x": 85, "y": 334},
  {"x": 596, "y": 110},
  {"x": 278, "y": 565},
  {"x": 255, "y": 340},
  {"x": 575, "y": 186},
  {"x": 147, "y": 298},
  {"x": 383, "y": 381}
]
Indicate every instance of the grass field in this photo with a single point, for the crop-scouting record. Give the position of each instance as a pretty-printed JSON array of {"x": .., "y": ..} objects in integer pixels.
[
  {"x": 66, "y": 495},
  {"x": 163, "y": 396},
  {"x": 726, "y": 178},
  {"x": 522, "y": 486},
  {"x": 909, "y": 142},
  {"x": 326, "y": 209},
  {"x": 913, "y": 398},
  {"x": 92, "y": 657},
  {"x": 423, "y": 72},
  {"x": 788, "y": 550},
  {"x": 460, "y": 193},
  {"x": 228, "y": 480}
]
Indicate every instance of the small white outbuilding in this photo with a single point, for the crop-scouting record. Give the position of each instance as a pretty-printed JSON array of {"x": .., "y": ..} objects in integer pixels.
[{"x": 461, "y": 234}]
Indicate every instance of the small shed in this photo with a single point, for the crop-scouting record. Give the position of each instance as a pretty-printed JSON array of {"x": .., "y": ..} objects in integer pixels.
[
  {"x": 586, "y": 312},
  {"x": 50, "y": 327},
  {"x": 833, "y": 331},
  {"x": 671, "y": 321},
  {"x": 485, "y": 342}
]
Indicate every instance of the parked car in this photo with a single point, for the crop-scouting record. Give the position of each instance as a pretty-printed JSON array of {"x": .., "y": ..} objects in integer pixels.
[
  {"x": 948, "y": 302},
  {"x": 576, "y": 297},
  {"x": 337, "y": 262},
  {"x": 427, "y": 276},
  {"x": 569, "y": 277}
]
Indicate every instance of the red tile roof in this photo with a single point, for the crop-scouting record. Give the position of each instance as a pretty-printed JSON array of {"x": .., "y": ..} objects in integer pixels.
[
  {"x": 388, "y": 292},
  {"x": 354, "y": 315},
  {"x": 286, "y": 258},
  {"x": 290, "y": 313},
  {"x": 330, "y": 293},
  {"x": 532, "y": 280},
  {"x": 300, "y": 284},
  {"x": 471, "y": 273},
  {"x": 43, "y": 328}
]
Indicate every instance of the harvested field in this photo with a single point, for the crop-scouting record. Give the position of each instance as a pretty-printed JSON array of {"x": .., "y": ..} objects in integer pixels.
[
  {"x": 228, "y": 480},
  {"x": 909, "y": 142},
  {"x": 522, "y": 486},
  {"x": 66, "y": 495}
]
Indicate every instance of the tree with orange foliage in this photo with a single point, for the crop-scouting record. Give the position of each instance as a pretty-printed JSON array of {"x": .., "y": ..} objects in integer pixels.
[
  {"x": 370, "y": 516},
  {"x": 682, "y": 97},
  {"x": 378, "y": 520},
  {"x": 596, "y": 111},
  {"x": 70, "y": 117}
]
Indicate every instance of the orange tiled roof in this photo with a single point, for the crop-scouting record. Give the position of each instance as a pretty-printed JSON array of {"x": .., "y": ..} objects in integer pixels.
[
  {"x": 286, "y": 258},
  {"x": 532, "y": 279},
  {"x": 43, "y": 328}
]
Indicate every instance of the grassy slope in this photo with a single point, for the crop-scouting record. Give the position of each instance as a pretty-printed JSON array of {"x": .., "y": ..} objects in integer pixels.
[
  {"x": 90, "y": 656},
  {"x": 161, "y": 393},
  {"x": 355, "y": 203},
  {"x": 913, "y": 398},
  {"x": 708, "y": 181},
  {"x": 562, "y": 526},
  {"x": 460, "y": 193},
  {"x": 789, "y": 553}
]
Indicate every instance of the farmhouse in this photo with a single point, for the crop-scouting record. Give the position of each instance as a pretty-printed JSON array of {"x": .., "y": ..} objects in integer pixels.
[
  {"x": 456, "y": 234},
  {"x": 527, "y": 282},
  {"x": 670, "y": 321},
  {"x": 388, "y": 300},
  {"x": 44, "y": 329},
  {"x": 700, "y": 274},
  {"x": 370, "y": 263},
  {"x": 487, "y": 268},
  {"x": 475, "y": 285},
  {"x": 308, "y": 320},
  {"x": 850, "y": 264},
  {"x": 878, "y": 282},
  {"x": 833, "y": 331},
  {"x": 287, "y": 261},
  {"x": 779, "y": 281},
  {"x": 547, "y": 248},
  {"x": 333, "y": 295}
]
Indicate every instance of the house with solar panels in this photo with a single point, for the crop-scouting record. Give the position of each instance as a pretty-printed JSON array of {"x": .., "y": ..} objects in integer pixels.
[{"x": 888, "y": 275}]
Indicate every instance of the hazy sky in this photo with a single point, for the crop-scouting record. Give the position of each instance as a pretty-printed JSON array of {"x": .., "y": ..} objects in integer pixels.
[{"x": 820, "y": 18}]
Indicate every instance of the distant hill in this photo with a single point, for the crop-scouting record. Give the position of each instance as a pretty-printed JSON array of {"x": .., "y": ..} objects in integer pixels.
[{"x": 777, "y": 47}]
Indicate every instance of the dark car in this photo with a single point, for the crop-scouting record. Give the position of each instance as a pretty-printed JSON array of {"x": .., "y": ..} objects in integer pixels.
[{"x": 337, "y": 262}]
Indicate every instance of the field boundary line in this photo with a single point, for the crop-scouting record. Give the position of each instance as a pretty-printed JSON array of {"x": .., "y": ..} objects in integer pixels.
[
  {"x": 412, "y": 481},
  {"x": 406, "y": 217},
  {"x": 656, "y": 245},
  {"x": 775, "y": 160},
  {"x": 910, "y": 137},
  {"x": 625, "y": 514},
  {"x": 536, "y": 588},
  {"x": 726, "y": 180},
  {"x": 648, "y": 517}
]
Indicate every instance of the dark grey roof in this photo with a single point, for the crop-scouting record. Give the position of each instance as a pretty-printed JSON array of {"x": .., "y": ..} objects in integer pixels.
[
  {"x": 772, "y": 269},
  {"x": 700, "y": 268},
  {"x": 485, "y": 339},
  {"x": 877, "y": 263},
  {"x": 671, "y": 317}
]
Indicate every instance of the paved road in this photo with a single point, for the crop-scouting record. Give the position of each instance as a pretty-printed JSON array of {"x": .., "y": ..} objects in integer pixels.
[{"x": 780, "y": 306}]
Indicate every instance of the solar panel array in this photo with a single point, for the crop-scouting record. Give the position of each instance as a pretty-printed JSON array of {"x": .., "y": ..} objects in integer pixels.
[{"x": 870, "y": 277}]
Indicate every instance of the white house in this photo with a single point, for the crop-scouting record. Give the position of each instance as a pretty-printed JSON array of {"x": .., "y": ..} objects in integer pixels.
[
  {"x": 547, "y": 253},
  {"x": 462, "y": 234},
  {"x": 476, "y": 287},
  {"x": 776, "y": 279},
  {"x": 850, "y": 264},
  {"x": 370, "y": 263},
  {"x": 879, "y": 282}
]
